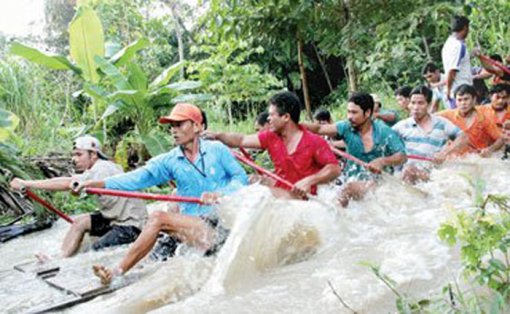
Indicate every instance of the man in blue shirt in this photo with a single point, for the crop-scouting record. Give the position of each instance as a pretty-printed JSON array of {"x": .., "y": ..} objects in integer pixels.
[
  {"x": 370, "y": 141},
  {"x": 200, "y": 168}
]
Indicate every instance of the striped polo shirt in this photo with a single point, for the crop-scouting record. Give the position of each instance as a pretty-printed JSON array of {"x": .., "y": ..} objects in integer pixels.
[{"x": 420, "y": 142}]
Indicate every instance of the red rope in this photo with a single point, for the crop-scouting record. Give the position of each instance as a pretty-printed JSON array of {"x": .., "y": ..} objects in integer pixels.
[
  {"x": 352, "y": 158},
  {"x": 494, "y": 63},
  {"x": 417, "y": 157},
  {"x": 48, "y": 206},
  {"x": 261, "y": 170},
  {"x": 145, "y": 196}
]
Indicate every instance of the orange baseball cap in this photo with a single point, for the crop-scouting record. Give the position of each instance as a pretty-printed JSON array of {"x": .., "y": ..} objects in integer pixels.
[{"x": 183, "y": 112}]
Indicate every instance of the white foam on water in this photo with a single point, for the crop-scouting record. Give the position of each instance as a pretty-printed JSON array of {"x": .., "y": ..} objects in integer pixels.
[{"x": 281, "y": 254}]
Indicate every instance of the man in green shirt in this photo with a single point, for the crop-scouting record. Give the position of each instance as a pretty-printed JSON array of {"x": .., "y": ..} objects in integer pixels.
[{"x": 370, "y": 141}]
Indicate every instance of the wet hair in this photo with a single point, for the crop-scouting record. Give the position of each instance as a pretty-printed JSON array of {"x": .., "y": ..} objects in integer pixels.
[
  {"x": 204, "y": 119},
  {"x": 322, "y": 114},
  {"x": 496, "y": 57},
  {"x": 404, "y": 91},
  {"x": 262, "y": 118},
  {"x": 422, "y": 90},
  {"x": 459, "y": 22},
  {"x": 465, "y": 89},
  {"x": 364, "y": 100},
  {"x": 287, "y": 102},
  {"x": 430, "y": 67},
  {"x": 498, "y": 88}
]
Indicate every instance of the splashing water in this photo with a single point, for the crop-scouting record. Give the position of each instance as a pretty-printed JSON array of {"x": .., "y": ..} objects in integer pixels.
[{"x": 281, "y": 254}]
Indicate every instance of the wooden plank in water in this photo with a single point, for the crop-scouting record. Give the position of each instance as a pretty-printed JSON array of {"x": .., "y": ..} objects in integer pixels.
[
  {"x": 42, "y": 270},
  {"x": 79, "y": 288},
  {"x": 78, "y": 285}
]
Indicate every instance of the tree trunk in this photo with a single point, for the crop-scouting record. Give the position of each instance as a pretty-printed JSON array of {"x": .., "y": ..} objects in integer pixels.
[
  {"x": 304, "y": 81},
  {"x": 352, "y": 73},
  {"x": 323, "y": 67},
  {"x": 178, "y": 34}
]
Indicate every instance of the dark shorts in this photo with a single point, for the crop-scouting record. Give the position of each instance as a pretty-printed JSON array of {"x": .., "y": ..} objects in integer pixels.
[
  {"x": 111, "y": 235},
  {"x": 166, "y": 245}
]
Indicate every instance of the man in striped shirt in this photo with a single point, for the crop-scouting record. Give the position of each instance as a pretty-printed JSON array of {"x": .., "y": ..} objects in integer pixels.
[{"x": 426, "y": 136}]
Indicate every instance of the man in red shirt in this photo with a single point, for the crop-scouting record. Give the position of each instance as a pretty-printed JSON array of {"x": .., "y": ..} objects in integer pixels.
[{"x": 298, "y": 155}]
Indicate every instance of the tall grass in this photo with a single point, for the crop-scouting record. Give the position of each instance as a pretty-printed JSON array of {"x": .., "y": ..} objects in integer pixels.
[{"x": 42, "y": 101}]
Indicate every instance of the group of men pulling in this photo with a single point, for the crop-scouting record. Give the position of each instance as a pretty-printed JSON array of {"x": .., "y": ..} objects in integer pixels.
[{"x": 202, "y": 165}]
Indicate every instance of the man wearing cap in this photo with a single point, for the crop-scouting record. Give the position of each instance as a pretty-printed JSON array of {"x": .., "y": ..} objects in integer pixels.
[
  {"x": 118, "y": 221},
  {"x": 200, "y": 168}
]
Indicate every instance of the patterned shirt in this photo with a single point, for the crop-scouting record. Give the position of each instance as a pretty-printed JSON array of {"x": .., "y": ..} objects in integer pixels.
[
  {"x": 426, "y": 143},
  {"x": 386, "y": 143},
  {"x": 214, "y": 170}
]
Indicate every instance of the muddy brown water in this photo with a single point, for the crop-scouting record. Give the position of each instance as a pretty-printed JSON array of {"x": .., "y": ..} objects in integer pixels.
[{"x": 280, "y": 254}]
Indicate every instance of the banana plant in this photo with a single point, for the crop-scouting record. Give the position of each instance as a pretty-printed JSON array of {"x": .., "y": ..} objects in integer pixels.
[
  {"x": 115, "y": 84},
  {"x": 136, "y": 97}
]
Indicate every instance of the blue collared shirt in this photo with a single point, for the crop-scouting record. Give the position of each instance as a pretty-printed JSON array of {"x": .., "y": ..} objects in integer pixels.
[{"x": 214, "y": 170}]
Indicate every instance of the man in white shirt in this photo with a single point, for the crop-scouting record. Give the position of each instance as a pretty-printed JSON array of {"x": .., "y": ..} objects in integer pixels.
[
  {"x": 118, "y": 220},
  {"x": 436, "y": 81},
  {"x": 456, "y": 61}
]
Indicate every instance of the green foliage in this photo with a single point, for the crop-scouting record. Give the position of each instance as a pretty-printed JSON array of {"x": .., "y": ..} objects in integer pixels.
[
  {"x": 490, "y": 27},
  {"x": 54, "y": 62},
  {"x": 404, "y": 304},
  {"x": 484, "y": 237},
  {"x": 86, "y": 41},
  {"x": 115, "y": 85},
  {"x": 225, "y": 73}
]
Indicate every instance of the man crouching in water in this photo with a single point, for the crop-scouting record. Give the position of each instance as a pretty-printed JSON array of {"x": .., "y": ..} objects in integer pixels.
[
  {"x": 299, "y": 156},
  {"x": 118, "y": 221},
  {"x": 200, "y": 168}
]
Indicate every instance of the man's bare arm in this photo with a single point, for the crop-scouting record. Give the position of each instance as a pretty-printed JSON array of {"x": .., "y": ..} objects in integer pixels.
[
  {"x": 54, "y": 184},
  {"x": 449, "y": 81},
  {"x": 235, "y": 139},
  {"x": 321, "y": 129}
]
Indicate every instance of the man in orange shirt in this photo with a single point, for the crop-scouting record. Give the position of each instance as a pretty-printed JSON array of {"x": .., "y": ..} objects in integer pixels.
[
  {"x": 484, "y": 136},
  {"x": 499, "y": 109}
]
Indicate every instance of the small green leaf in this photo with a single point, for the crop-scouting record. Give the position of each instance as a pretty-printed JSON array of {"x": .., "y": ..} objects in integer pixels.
[{"x": 156, "y": 143}]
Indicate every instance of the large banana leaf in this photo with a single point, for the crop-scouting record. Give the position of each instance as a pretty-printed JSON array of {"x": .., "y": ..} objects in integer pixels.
[
  {"x": 166, "y": 75},
  {"x": 136, "y": 77},
  {"x": 86, "y": 40},
  {"x": 54, "y": 62},
  {"x": 111, "y": 109},
  {"x": 129, "y": 97},
  {"x": 124, "y": 55},
  {"x": 113, "y": 73},
  {"x": 172, "y": 89},
  {"x": 156, "y": 142}
]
